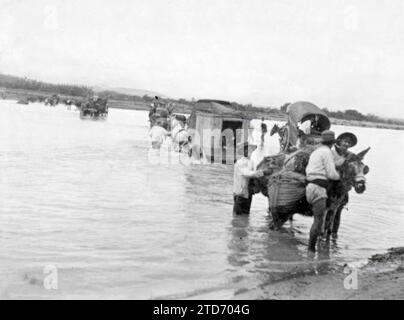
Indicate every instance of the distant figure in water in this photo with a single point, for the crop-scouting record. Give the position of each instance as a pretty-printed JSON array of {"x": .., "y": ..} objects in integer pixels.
[{"x": 158, "y": 135}]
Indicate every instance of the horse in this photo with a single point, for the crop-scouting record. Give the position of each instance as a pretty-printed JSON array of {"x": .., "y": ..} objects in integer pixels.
[
  {"x": 275, "y": 129},
  {"x": 283, "y": 136}
]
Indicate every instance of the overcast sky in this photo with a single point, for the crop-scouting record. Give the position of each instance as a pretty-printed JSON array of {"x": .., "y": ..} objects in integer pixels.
[{"x": 337, "y": 54}]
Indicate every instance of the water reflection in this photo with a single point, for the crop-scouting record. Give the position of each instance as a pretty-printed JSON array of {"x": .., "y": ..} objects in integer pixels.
[
  {"x": 239, "y": 241},
  {"x": 259, "y": 256}
]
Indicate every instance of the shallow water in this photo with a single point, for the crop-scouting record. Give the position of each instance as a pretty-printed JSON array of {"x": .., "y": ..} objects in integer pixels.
[{"x": 83, "y": 196}]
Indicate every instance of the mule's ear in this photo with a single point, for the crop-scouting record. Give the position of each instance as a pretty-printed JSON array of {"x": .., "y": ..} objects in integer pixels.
[{"x": 362, "y": 154}]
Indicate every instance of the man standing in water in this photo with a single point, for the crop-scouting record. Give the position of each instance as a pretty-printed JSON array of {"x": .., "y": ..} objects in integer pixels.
[
  {"x": 340, "y": 153},
  {"x": 243, "y": 171},
  {"x": 320, "y": 169},
  {"x": 158, "y": 134}
]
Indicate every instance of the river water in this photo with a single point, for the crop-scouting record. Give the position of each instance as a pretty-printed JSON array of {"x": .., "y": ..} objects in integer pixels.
[{"x": 81, "y": 202}]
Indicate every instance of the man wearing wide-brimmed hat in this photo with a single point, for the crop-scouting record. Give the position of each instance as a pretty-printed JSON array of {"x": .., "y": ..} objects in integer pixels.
[
  {"x": 319, "y": 170},
  {"x": 243, "y": 171},
  {"x": 340, "y": 153}
]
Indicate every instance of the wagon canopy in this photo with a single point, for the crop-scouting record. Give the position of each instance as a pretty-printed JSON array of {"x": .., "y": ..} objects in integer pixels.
[{"x": 299, "y": 111}]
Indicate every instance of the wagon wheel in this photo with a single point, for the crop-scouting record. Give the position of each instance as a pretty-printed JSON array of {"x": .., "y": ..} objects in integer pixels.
[{"x": 284, "y": 138}]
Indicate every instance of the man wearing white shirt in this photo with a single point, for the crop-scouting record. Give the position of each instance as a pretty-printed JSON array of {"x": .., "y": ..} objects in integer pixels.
[
  {"x": 243, "y": 171},
  {"x": 319, "y": 170},
  {"x": 157, "y": 135}
]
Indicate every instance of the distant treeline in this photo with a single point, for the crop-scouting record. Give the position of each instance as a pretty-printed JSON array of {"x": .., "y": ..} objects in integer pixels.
[
  {"x": 355, "y": 115},
  {"x": 352, "y": 114},
  {"x": 13, "y": 82}
]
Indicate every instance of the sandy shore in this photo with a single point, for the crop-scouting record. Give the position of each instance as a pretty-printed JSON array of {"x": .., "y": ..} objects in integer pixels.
[{"x": 381, "y": 278}]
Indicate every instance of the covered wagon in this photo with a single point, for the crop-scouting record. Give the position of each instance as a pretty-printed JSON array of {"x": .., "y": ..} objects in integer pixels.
[
  {"x": 95, "y": 108},
  {"x": 216, "y": 127},
  {"x": 298, "y": 113}
]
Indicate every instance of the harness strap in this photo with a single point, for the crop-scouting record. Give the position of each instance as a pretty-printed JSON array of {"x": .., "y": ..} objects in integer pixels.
[{"x": 320, "y": 182}]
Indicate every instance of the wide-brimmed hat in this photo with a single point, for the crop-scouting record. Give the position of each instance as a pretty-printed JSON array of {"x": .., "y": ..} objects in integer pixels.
[
  {"x": 328, "y": 136},
  {"x": 240, "y": 147},
  {"x": 350, "y": 136}
]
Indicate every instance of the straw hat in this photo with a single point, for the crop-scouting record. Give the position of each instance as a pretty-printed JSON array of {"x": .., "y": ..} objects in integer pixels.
[{"x": 349, "y": 136}]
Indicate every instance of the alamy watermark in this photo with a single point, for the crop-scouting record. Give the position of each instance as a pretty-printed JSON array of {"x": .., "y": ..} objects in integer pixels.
[
  {"x": 51, "y": 280},
  {"x": 351, "y": 280}
]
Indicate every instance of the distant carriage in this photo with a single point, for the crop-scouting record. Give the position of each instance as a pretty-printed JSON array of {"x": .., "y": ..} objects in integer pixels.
[
  {"x": 215, "y": 129},
  {"x": 94, "y": 109},
  {"x": 159, "y": 115},
  {"x": 161, "y": 112},
  {"x": 52, "y": 101},
  {"x": 298, "y": 113}
]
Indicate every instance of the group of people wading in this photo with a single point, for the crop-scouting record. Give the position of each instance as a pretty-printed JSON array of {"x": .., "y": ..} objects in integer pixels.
[
  {"x": 313, "y": 174},
  {"x": 320, "y": 171},
  {"x": 164, "y": 126}
]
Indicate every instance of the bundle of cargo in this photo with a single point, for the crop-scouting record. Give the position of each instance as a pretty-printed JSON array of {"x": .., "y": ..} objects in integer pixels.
[
  {"x": 297, "y": 161},
  {"x": 285, "y": 190},
  {"x": 286, "y": 195},
  {"x": 272, "y": 163}
]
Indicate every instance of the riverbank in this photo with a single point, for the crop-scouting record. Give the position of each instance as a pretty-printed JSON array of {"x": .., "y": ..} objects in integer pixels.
[
  {"x": 18, "y": 94},
  {"x": 381, "y": 278}
]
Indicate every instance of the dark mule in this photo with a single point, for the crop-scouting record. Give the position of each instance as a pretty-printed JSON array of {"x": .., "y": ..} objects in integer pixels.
[{"x": 352, "y": 174}]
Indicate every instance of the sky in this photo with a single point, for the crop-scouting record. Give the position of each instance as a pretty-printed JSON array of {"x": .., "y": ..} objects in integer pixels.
[{"x": 337, "y": 54}]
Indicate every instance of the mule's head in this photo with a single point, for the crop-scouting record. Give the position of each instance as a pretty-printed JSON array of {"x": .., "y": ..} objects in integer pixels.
[{"x": 358, "y": 170}]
